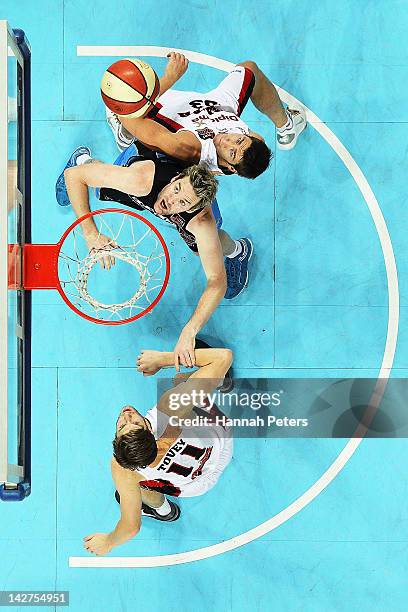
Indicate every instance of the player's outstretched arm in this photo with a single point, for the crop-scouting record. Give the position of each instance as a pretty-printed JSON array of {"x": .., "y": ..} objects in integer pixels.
[
  {"x": 136, "y": 179},
  {"x": 176, "y": 67},
  {"x": 127, "y": 485},
  {"x": 209, "y": 248},
  {"x": 181, "y": 145},
  {"x": 213, "y": 365}
]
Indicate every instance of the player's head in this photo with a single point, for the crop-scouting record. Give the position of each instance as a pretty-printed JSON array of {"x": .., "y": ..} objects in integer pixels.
[
  {"x": 193, "y": 189},
  {"x": 242, "y": 154},
  {"x": 134, "y": 445}
]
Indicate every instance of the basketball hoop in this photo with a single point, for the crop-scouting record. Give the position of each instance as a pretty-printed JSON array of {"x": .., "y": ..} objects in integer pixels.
[{"x": 134, "y": 244}]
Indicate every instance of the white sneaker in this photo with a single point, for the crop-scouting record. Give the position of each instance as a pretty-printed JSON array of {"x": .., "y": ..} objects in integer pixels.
[
  {"x": 286, "y": 139},
  {"x": 123, "y": 138}
]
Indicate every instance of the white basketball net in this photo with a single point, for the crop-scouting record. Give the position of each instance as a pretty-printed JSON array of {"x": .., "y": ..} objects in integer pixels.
[{"x": 137, "y": 245}]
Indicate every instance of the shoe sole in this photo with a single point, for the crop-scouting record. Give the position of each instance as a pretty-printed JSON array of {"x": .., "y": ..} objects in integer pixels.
[
  {"x": 292, "y": 145},
  {"x": 162, "y": 520},
  {"x": 247, "y": 272},
  {"x": 121, "y": 144},
  {"x": 249, "y": 259},
  {"x": 70, "y": 164},
  {"x": 158, "y": 517}
]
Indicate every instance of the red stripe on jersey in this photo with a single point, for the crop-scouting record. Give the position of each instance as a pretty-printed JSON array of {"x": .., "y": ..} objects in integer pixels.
[
  {"x": 154, "y": 114},
  {"x": 246, "y": 90},
  {"x": 162, "y": 486}
]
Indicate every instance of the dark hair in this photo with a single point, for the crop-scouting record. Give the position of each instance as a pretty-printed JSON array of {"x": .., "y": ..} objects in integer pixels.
[
  {"x": 255, "y": 160},
  {"x": 136, "y": 449}
]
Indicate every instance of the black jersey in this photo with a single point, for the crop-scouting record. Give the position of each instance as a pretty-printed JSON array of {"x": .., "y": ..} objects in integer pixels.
[{"x": 165, "y": 170}]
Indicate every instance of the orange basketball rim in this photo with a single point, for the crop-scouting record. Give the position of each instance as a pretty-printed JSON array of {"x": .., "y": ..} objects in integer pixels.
[{"x": 68, "y": 265}]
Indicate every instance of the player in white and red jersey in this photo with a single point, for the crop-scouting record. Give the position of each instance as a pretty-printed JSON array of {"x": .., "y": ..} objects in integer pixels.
[
  {"x": 176, "y": 449},
  {"x": 207, "y": 127}
]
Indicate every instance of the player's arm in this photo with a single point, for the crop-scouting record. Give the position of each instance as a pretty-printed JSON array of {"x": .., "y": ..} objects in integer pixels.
[
  {"x": 176, "y": 67},
  {"x": 181, "y": 145},
  {"x": 127, "y": 485},
  {"x": 209, "y": 248},
  {"x": 137, "y": 179},
  {"x": 213, "y": 364}
]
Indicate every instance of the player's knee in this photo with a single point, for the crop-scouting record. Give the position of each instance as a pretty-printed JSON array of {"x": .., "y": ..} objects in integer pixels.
[
  {"x": 68, "y": 172},
  {"x": 253, "y": 66},
  {"x": 227, "y": 356}
]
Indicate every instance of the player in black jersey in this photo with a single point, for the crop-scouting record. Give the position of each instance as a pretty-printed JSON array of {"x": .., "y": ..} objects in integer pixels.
[{"x": 180, "y": 196}]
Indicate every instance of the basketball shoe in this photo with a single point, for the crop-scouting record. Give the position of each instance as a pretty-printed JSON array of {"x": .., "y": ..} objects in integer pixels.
[
  {"x": 123, "y": 138},
  {"x": 60, "y": 187},
  {"x": 287, "y": 135},
  {"x": 173, "y": 515},
  {"x": 237, "y": 270}
]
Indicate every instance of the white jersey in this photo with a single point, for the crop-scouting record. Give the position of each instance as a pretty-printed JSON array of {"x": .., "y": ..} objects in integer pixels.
[
  {"x": 190, "y": 459},
  {"x": 216, "y": 112}
]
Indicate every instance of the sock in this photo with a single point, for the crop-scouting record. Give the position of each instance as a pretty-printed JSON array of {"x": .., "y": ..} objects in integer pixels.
[
  {"x": 237, "y": 250},
  {"x": 83, "y": 159},
  {"x": 288, "y": 125},
  {"x": 164, "y": 508}
]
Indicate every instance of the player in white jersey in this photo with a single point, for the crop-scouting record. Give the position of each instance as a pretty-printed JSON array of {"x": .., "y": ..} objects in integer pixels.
[
  {"x": 167, "y": 451},
  {"x": 207, "y": 127}
]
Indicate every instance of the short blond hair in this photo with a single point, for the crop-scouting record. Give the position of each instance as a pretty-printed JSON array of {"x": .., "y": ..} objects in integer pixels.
[{"x": 203, "y": 182}]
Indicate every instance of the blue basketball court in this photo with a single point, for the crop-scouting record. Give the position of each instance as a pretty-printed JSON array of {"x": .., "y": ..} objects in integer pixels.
[{"x": 294, "y": 524}]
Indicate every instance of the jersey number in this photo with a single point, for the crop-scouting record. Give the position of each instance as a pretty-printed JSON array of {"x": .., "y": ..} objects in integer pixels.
[
  {"x": 201, "y": 455},
  {"x": 200, "y": 106}
]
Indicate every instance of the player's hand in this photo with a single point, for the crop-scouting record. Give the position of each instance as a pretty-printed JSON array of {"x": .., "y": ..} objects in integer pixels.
[
  {"x": 100, "y": 242},
  {"x": 184, "y": 350},
  {"x": 98, "y": 543},
  {"x": 176, "y": 66},
  {"x": 148, "y": 362}
]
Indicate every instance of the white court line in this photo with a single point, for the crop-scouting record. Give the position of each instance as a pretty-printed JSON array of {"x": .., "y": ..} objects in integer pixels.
[{"x": 389, "y": 349}]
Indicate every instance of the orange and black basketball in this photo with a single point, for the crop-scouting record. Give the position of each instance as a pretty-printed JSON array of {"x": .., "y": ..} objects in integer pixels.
[{"x": 129, "y": 87}]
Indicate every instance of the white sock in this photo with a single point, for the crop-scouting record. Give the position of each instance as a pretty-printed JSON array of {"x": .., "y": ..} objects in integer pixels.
[
  {"x": 288, "y": 125},
  {"x": 83, "y": 159},
  {"x": 237, "y": 250},
  {"x": 164, "y": 508}
]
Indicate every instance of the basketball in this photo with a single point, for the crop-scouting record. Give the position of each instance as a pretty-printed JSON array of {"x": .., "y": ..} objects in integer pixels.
[{"x": 129, "y": 87}]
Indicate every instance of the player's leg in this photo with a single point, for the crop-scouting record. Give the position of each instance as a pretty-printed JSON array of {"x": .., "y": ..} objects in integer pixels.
[
  {"x": 289, "y": 123},
  {"x": 265, "y": 97},
  {"x": 154, "y": 499},
  {"x": 237, "y": 255},
  {"x": 157, "y": 506}
]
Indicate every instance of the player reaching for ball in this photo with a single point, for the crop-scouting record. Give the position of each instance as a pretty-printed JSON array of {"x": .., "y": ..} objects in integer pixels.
[
  {"x": 207, "y": 128},
  {"x": 162, "y": 453},
  {"x": 179, "y": 196}
]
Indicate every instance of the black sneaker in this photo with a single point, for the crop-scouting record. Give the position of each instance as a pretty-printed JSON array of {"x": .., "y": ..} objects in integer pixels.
[{"x": 173, "y": 515}]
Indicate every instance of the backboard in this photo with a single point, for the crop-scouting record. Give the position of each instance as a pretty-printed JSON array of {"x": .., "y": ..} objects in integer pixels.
[{"x": 15, "y": 230}]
